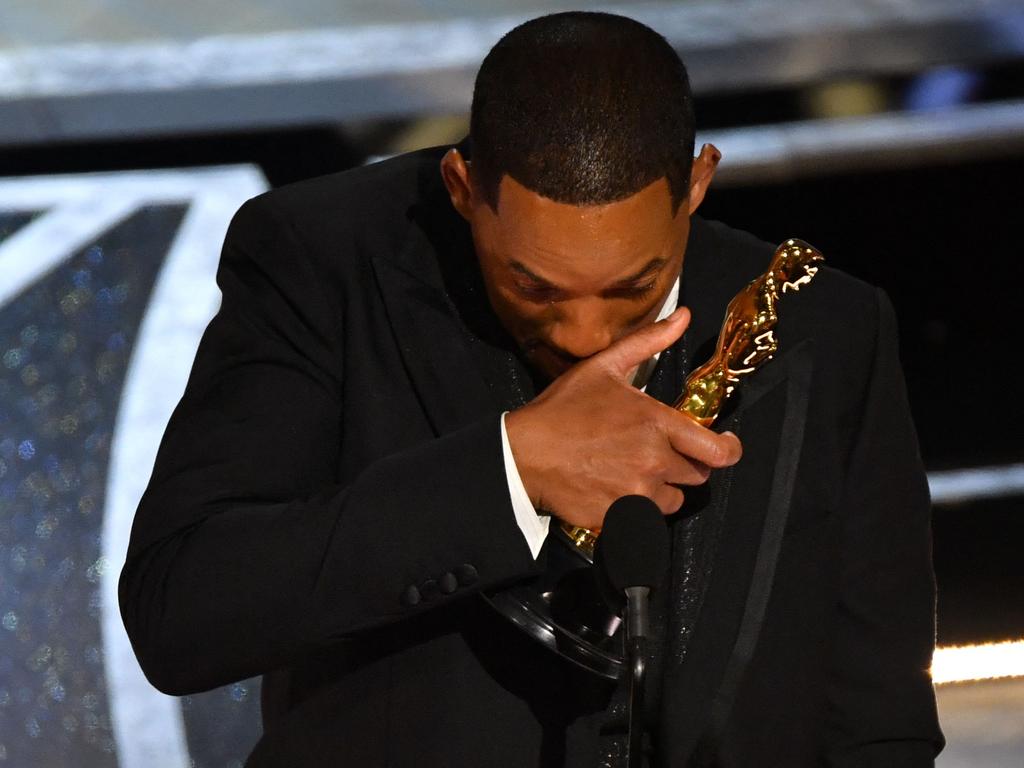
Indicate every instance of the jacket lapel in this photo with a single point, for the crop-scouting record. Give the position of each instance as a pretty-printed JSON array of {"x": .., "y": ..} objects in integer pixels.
[
  {"x": 744, "y": 520},
  {"x": 433, "y": 342},
  {"x": 727, "y": 542}
]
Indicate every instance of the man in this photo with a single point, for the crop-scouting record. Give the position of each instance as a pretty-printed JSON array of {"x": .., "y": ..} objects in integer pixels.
[{"x": 417, "y": 364}]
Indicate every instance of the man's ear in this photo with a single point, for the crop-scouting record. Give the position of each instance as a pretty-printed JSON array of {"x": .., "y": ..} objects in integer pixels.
[
  {"x": 703, "y": 171},
  {"x": 455, "y": 171}
]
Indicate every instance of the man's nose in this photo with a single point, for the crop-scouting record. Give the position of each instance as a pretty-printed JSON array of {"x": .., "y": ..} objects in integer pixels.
[{"x": 581, "y": 331}]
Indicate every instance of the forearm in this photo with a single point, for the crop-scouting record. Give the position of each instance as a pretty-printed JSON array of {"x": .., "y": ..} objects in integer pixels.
[{"x": 255, "y": 585}]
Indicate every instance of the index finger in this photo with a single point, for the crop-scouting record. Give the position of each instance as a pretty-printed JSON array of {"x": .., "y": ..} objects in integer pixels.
[
  {"x": 687, "y": 437},
  {"x": 625, "y": 354}
]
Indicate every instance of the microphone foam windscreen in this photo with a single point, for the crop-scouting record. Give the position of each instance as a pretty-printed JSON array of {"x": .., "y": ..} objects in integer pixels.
[{"x": 632, "y": 550}]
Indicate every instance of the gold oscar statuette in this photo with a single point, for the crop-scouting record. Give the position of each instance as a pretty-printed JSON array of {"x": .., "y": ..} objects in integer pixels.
[{"x": 746, "y": 341}]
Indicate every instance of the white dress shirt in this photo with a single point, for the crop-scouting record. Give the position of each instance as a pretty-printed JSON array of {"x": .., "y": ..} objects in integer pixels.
[{"x": 535, "y": 526}]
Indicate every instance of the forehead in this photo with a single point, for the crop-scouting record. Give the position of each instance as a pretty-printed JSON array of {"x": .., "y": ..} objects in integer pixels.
[{"x": 590, "y": 243}]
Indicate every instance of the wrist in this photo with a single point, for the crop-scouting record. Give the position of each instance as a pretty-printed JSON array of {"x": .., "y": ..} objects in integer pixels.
[{"x": 520, "y": 430}]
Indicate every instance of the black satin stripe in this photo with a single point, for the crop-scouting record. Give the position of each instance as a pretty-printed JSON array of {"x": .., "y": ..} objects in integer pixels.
[{"x": 787, "y": 463}]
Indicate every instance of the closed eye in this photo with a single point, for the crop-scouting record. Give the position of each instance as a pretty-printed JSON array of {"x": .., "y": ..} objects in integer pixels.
[
  {"x": 544, "y": 294},
  {"x": 548, "y": 294},
  {"x": 635, "y": 292}
]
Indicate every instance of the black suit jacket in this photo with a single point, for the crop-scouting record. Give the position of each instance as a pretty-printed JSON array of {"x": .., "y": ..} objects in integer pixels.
[{"x": 330, "y": 496}]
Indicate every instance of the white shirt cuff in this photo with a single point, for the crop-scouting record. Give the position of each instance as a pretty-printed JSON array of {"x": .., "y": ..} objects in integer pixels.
[{"x": 533, "y": 526}]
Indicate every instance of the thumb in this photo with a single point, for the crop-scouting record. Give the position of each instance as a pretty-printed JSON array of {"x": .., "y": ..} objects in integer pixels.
[{"x": 623, "y": 357}]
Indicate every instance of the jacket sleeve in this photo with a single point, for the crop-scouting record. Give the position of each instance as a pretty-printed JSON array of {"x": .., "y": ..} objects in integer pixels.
[
  {"x": 246, "y": 553},
  {"x": 881, "y": 702}
]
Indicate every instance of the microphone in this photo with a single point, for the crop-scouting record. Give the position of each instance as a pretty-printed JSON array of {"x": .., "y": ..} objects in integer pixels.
[{"x": 631, "y": 558}]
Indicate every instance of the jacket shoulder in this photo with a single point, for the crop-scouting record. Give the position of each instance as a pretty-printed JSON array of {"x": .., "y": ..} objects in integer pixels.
[
  {"x": 372, "y": 201},
  {"x": 382, "y": 185}
]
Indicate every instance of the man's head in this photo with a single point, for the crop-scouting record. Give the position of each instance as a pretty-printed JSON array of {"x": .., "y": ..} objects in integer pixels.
[{"x": 581, "y": 181}]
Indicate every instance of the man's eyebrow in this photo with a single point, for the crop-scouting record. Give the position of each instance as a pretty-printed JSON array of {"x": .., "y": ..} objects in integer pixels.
[
  {"x": 521, "y": 269},
  {"x": 652, "y": 266}
]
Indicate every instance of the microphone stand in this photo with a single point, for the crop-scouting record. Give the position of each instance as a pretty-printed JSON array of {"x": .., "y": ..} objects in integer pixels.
[{"x": 637, "y": 628}]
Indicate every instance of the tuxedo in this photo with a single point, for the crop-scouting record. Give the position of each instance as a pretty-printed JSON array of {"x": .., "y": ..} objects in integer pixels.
[{"x": 329, "y": 501}]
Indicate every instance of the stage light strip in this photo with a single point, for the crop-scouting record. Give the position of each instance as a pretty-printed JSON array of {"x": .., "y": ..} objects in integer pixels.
[
  {"x": 990, "y": 661},
  {"x": 962, "y": 485},
  {"x": 340, "y": 48},
  {"x": 782, "y": 152},
  {"x": 779, "y": 152}
]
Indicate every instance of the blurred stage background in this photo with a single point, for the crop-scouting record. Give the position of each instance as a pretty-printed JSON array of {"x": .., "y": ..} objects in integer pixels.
[{"x": 889, "y": 133}]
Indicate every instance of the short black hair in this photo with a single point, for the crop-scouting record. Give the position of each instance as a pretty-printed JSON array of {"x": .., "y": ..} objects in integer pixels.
[{"x": 582, "y": 108}]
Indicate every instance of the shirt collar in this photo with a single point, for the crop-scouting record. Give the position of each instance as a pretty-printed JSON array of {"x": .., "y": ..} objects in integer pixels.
[{"x": 646, "y": 368}]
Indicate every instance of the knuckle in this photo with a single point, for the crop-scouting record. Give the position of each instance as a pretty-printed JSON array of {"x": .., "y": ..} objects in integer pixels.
[
  {"x": 670, "y": 500},
  {"x": 642, "y": 489},
  {"x": 606, "y": 362},
  {"x": 720, "y": 455}
]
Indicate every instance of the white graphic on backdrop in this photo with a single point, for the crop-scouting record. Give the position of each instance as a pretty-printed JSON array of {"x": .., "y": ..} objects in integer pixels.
[{"x": 147, "y": 725}]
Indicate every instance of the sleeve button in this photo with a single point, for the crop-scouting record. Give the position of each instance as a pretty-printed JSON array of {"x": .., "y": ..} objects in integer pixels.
[
  {"x": 467, "y": 575},
  {"x": 411, "y": 596},
  {"x": 448, "y": 583}
]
